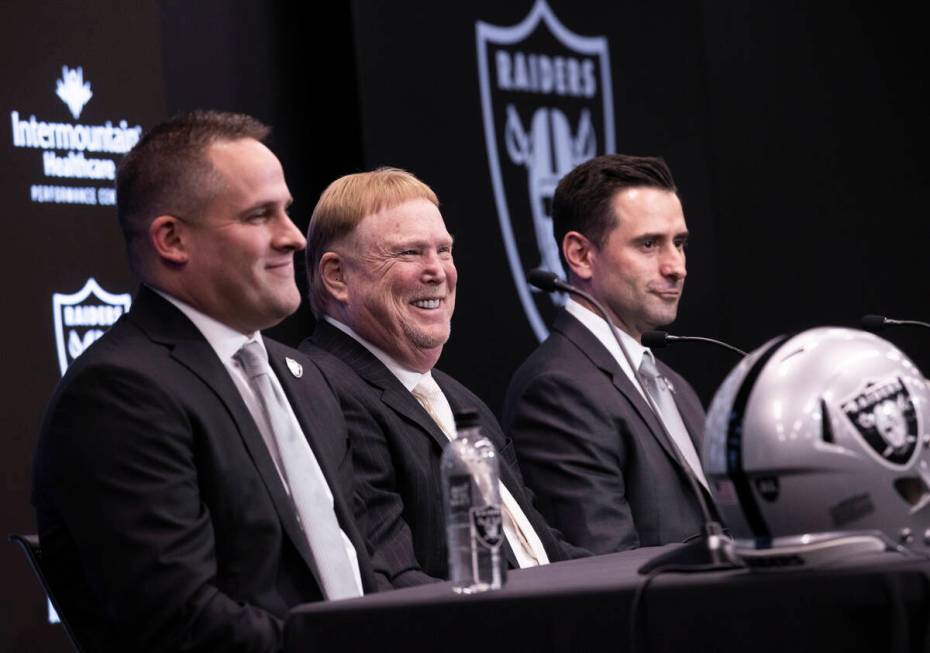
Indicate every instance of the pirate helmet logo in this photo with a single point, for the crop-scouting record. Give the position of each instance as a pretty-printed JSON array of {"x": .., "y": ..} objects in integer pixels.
[
  {"x": 547, "y": 106},
  {"x": 884, "y": 416},
  {"x": 487, "y": 524}
]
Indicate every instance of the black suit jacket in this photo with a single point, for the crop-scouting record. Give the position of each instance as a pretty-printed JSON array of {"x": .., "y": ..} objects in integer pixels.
[
  {"x": 602, "y": 470},
  {"x": 397, "y": 449},
  {"x": 162, "y": 519}
]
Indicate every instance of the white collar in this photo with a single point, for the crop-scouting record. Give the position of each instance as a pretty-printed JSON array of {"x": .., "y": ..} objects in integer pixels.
[
  {"x": 601, "y": 330},
  {"x": 408, "y": 378},
  {"x": 224, "y": 340}
]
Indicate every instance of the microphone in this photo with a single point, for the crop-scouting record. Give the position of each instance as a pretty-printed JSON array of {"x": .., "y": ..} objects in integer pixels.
[
  {"x": 548, "y": 281},
  {"x": 706, "y": 552},
  {"x": 659, "y": 339},
  {"x": 876, "y": 323}
]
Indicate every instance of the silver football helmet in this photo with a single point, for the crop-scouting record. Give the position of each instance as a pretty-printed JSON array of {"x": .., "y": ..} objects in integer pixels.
[{"x": 818, "y": 445}]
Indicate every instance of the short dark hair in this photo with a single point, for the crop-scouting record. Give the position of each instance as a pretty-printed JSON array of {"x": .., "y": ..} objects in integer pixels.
[
  {"x": 167, "y": 171},
  {"x": 582, "y": 200}
]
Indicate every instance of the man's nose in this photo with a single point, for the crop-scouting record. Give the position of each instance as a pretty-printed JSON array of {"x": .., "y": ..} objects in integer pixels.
[
  {"x": 673, "y": 263},
  {"x": 287, "y": 235},
  {"x": 434, "y": 267}
]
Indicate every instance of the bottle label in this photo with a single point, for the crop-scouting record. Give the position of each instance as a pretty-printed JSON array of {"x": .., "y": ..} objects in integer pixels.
[
  {"x": 459, "y": 491},
  {"x": 488, "y": 526}
]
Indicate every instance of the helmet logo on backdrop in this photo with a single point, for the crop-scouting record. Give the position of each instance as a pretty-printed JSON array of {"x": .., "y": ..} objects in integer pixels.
[
  {"x": 547, "y": 105},
  {"x": 82, "y": 317},
  {"x": 884, "y": 415},
  {"x": 73, "y": 90}
]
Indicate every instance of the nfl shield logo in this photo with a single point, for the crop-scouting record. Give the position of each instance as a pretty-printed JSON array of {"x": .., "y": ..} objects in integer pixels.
[
  {"x": 547, "y": 106},
  {"x": 82, "y": 317}
]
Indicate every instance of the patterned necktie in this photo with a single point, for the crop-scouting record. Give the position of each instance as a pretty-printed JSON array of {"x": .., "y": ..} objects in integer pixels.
[
  {"x": 434, "y": 402},
  {"x": 658, "y": 388},
  {"x": 314, "y": 509}
]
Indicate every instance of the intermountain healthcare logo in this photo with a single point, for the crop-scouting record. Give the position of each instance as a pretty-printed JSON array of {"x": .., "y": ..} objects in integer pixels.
[
  {"x": 74, "y": 151},
  {"x": 73, "y": 90},
  {"x": 82, "y": 317},
  {"x": 547, "y": 106}
]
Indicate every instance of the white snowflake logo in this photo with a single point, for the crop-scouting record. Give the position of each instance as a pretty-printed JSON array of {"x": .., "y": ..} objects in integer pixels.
[{"x": 73, "y": 90}]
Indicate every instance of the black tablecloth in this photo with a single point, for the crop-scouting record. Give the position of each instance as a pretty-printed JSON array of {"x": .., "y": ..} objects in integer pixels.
[{"x": 876, "y": 603}]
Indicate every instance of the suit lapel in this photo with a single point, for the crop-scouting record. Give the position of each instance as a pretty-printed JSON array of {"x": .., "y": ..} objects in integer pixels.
[
  {"x": 166, "y": 325},
  {"x": 397, "y": 397},
  {"x": 394, "y": 394},
  {"x": 374, "y": 372},
  {"x": 586, "y": 341},
  {"x": 298, "y": 399}
]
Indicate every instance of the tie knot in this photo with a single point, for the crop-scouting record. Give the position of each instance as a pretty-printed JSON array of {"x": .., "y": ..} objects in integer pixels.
[
  {"x": 427, "y": 388},
  {"x": 648, "y": 366},
  {"x": 253, "y": 359}
]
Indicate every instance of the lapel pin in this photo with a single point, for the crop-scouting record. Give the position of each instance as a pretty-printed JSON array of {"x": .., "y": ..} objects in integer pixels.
[{"x": 296, "y": 368}]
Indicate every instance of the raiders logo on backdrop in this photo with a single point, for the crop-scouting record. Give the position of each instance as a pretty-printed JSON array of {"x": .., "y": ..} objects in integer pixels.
[
  {"x": 884, "y": 416},
  {"x": 547, "y": 106},
  {"x": 82, "y": 317},
  {"x": 488, "y": 525}
]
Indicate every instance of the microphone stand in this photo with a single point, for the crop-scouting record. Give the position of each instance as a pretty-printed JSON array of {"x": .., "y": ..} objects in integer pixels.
[
  {"x": 710, "y": 551},
  {"x": 876, "y": 323},
  {"x": 659, "y": 339}
]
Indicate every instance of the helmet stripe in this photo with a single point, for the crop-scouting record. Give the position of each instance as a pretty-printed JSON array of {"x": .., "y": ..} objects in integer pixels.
[{"x": 734, "y": 444}]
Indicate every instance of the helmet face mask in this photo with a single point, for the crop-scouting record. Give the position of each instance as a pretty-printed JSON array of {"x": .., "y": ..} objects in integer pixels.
[{"x": 817, "y": 437}]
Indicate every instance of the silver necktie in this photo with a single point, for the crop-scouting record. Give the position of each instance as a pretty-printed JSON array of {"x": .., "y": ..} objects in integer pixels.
[
  {"x": 658, "y": 388},
  {"x": 314, "y": 509}
]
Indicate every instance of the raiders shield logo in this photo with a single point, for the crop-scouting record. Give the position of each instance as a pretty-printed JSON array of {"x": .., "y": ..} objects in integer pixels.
[
  {"x": 884, "y": 416},
  {"x": 82, "y": 317},
  {"x": 487, "y": 525},
  {"x": 547, "y": 106}
]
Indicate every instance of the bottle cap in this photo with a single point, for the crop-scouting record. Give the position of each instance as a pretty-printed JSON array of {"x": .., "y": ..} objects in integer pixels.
[{"x": 467, "y": 418}]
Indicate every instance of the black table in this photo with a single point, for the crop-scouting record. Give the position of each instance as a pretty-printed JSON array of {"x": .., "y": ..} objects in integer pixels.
[{"x": 877, "y": 603}]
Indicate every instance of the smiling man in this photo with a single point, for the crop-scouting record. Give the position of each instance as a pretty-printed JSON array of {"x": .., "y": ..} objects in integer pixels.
[
  {"x": 192, "y": 478},
  {"x": 603, "y": 471},
  {"x": 382, "y": 285}
]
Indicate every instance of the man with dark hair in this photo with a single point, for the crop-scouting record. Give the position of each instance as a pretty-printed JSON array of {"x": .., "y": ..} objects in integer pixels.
[
  {"x": 382, "y": 285},
  {"x": 603, "y": 470},
  {"x": 192, "y": 478}
]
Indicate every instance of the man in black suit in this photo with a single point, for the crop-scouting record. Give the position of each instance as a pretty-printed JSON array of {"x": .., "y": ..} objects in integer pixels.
[
  {"x": 604, "y": 472},
  {"x": 167, "y": 515},
  {"x": 382, "y": 285}
]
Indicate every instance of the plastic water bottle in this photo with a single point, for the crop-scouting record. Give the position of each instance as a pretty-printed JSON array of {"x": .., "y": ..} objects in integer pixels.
[{"x": 471, "y": 495}]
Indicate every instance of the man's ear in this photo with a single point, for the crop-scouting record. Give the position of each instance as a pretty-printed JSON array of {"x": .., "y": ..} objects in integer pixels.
[
  {"x": 168, "y": 237},
  {"x": 332, "y": 272},
  {"x": 578, "y": 252}
]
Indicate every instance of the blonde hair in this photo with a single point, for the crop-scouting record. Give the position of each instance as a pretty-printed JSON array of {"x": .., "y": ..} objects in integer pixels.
[{"x": 344, "y": 204}]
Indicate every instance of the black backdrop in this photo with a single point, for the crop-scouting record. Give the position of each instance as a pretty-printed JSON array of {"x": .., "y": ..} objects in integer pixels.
[{"x": 796, "y": 134}]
